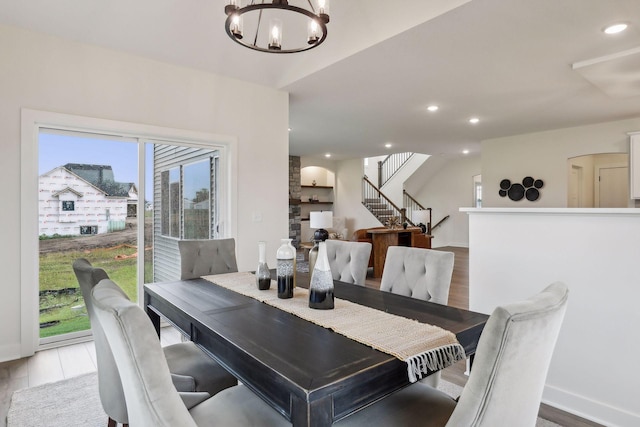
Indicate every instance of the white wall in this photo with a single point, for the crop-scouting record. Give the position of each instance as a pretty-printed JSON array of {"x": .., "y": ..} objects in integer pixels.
[
  {"x": 394, "y": 186},
  {"x": 348, "y": 196},
  {"x": 46, "y": 73},
  {"x": 371, "y": 168},
  {"x": 544, "y": 155},
  {"x": 323, "y": 177},
  {"x": 446, "y": 185},
  {"x": 320, "y": 175},
  {"x": 515, "y": 253}
]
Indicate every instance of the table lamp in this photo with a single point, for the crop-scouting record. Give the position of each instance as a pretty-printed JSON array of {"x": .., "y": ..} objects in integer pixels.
[
  {"x": 421, "y": 218},
  {"x": 320, "y": 221}
]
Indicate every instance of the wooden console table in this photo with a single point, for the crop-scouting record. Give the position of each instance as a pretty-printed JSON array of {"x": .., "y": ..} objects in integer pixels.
[{"x": 382, "y": 238}]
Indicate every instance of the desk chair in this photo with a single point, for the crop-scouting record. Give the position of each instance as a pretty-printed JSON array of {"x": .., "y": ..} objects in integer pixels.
[
  {"x": 151, "y": 397},
  {"x": 205, "y": 257},
  {"x": 348, "y": 260},
  {"x": 507, "y": 379},
  {"x": 192, "y": 370}
]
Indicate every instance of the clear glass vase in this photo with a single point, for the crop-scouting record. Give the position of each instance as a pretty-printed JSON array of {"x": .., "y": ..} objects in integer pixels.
[
  {"x": 286, "y": 255},
  {"x": 263, "y": 275},
  {"x": 321, "y": 287}
]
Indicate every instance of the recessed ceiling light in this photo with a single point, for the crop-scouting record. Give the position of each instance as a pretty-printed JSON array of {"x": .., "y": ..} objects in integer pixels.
[
  {"x": 432, "y": 108},
  {"x": 387, "y": 145},
  {"x": 327, "y": 155},
  {"x": 615, "y": 28},
  {"x": 465, "y": 151},
  {"x": 474, "y": 120},
  {"x": 289, "y": 129}
]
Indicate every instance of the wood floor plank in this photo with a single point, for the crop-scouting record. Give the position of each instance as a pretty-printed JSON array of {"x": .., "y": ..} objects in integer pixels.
[
  {"x": 75, "y": 360},
  {"x": 169, "y": 336},
  {"x": 44, "y": 367},
  {"x": 91, "y": 348}
]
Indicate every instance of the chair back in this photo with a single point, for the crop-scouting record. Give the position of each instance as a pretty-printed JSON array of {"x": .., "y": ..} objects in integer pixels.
[
  {"x": 205, "y": 257},
  {"x": 418, "y": 273},
  {"x": 150, "y": 394},
  {"x": 348, "y": 260},
  {"x": 513, "y": 355},
  {"x": 109, "y": 385}
]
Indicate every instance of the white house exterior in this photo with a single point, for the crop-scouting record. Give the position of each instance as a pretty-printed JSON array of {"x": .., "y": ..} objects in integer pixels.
[{"x": 70, "y": 205}]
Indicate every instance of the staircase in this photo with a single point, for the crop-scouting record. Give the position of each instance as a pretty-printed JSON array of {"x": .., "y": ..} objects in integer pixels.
[
  {"x": 379, "y": 208},
  {"x": 379, "y": 205},
  {"x": 383, "y": 208}
]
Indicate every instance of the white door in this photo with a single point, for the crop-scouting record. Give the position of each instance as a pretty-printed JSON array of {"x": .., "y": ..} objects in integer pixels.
[{"x": 613, "y": 187}]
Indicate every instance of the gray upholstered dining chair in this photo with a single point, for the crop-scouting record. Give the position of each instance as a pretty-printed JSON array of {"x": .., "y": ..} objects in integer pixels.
[
  {"x": 506, "y": 381},
  {"x": 205, "y": 257},
  {"x": 418, "y": 273},
  {"x": 192, "y": 370},
  {"x": 151, "y": 397},
  {"x": 348, "y": 260}
]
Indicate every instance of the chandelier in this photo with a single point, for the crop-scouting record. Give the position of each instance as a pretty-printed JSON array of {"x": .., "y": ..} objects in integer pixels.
[{"x": 306, "y": 26}]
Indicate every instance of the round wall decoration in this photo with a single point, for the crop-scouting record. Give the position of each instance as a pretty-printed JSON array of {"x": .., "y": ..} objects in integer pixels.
[
  {"x": 529, "y": 189},
  {"x": 516, "y": 192}
]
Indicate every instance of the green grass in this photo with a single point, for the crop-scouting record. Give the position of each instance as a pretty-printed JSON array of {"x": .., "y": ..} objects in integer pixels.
[{"x": 56, "y": 273}]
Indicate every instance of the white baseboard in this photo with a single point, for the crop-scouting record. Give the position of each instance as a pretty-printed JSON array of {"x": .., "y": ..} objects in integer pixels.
[
  {"x": 584, "y": 407},
  {"x": 9, "y": 352},
  {"x": 454, "y": 244}
]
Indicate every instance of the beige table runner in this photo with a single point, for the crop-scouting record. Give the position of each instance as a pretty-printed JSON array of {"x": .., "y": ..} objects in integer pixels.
[{"x": 423, "y": 347}]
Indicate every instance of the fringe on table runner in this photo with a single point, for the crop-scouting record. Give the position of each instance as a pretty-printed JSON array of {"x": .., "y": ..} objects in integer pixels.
[{"x": 420, "y": 365}]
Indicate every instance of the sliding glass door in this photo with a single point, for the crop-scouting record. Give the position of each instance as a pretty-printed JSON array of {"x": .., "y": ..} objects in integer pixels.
[{"x": 122, "y": 203}]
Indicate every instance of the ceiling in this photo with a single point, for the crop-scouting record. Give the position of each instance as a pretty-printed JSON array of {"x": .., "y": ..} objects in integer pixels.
[{"x": 509, "y": 63}]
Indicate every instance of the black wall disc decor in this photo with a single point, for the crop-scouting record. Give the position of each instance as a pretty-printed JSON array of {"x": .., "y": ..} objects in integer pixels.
[{"x": 529, "y": 189}]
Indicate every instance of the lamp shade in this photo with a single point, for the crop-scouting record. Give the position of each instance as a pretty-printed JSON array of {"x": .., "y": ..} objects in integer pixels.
[
  {"x": 323, "y": 219},
  {"x": 420, "y": 217}
]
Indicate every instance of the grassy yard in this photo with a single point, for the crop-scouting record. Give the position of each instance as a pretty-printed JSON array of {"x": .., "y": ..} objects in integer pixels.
[{"x": 63, "y": 307}]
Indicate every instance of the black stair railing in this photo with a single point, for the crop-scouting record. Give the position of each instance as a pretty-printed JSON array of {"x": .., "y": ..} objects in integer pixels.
[
  {"x": 375, "y": 200},
  {"x": 390, "y": 165}
]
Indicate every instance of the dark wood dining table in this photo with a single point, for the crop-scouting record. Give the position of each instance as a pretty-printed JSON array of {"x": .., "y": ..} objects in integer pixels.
[{"x": 311, "y": 375}]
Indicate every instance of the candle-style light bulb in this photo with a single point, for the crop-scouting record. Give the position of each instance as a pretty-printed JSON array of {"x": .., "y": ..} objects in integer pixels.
[
  {"x": 231, "y": 6},
  {"x": 323, "y": 10},
  {"x": 236, "y": 26},
  {"x": 275, "y": 35},
  {"x": 313, "y": 33}
]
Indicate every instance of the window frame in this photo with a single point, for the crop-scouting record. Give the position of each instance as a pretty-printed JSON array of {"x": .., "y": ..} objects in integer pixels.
[{"x": 32, "y": 121}]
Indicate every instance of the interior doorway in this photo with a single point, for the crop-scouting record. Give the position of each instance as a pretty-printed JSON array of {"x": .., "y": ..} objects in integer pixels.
[
  {"x": 598, "y": 180},
  {"x": 576, "y": 177}
]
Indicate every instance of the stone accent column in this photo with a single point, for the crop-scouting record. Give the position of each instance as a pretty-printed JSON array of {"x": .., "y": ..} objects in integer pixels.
[{"x": 294, "y": 200}]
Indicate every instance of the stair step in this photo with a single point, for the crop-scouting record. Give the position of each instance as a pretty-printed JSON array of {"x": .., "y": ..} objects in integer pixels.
[
  {"x": 367, "y": 201},
  {"x": 383, "y": 212},
  {"x": 377, "y": 206}
]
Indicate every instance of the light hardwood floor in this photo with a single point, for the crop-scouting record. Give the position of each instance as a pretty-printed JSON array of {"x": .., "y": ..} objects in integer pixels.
[{"x": 65, "y": 362}]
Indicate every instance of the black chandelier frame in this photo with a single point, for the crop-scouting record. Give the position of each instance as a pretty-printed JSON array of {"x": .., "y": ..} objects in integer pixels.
[{"x": 321, "y": 19}]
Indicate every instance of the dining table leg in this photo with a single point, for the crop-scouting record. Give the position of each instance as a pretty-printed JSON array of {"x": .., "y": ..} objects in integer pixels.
[
  {"x": 318, "y": 413},
  {"x": 153, "y": 316}
]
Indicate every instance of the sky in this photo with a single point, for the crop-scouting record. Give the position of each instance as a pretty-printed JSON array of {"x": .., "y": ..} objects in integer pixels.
[{"x": 57, "y": 150}]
